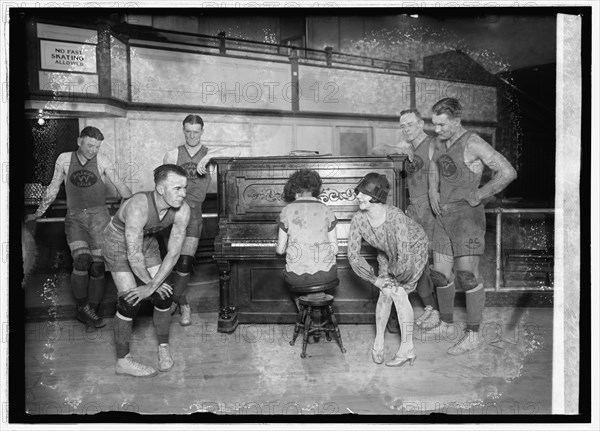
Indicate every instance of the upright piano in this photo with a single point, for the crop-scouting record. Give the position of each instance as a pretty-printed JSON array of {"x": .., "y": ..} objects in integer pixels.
[{"x": 252, "y": 288}]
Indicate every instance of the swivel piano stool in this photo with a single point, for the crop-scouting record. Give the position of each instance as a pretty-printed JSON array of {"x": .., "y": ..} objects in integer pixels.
[{"x": 306, "y": 320}]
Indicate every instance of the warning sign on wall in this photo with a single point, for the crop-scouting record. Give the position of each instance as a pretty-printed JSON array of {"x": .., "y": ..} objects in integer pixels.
[{"x": 71, "y": 57}]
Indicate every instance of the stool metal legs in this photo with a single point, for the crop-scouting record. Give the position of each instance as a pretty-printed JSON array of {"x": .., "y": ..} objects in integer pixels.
[
  {"x": 300, "y": 317},
  {"x": 336, "y": 330},
  {"x": 307, "y": 328},
  {"x": 305, "y": 321}
]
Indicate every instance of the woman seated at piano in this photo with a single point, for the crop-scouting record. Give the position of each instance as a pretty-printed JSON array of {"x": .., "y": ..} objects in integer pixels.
[
  {"x": 401, "y": 245},
  {"x": 307, "y": 234}
]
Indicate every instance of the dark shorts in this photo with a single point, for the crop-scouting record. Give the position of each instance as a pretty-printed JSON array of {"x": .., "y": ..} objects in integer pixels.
[
  {"x": 460, "y": 230},
  {"x": 194, "y": 227},
  {"x": 114, "y": 251},
  {"x": 420, "y": 211},
  {"x": 86, "y": 226}
]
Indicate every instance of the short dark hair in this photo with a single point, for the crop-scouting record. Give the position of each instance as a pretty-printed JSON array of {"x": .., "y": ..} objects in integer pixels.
[
  {"x": 304, "y": 180},
  {"x": 92, "y": 132},
  {"x": 162, "y": 172},
  {"x": 193, "y": 119},
  {"x": 449, "y": 106},
  {"x": 411, "y": 111}
]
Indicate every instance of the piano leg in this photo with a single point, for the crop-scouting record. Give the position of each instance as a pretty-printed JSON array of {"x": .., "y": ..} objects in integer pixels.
[{"x": 228, "y": 318}]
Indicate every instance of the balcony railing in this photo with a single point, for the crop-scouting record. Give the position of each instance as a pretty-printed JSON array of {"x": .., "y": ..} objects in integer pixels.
[{"x": 232, "y": 46}]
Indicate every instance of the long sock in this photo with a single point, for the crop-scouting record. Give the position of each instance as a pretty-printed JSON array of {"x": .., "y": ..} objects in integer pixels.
[
  {"x": 406, "y": 320},
  {"x": 180, "y": 283},
  {"x": 79, "y": 286},
  {"x": 445, "y": 296},
  {"x": 96, "y": 291},
  {"x": 162, "y": 321},
  {"x": 122, "y": 329},
  {"x": 382, "y": 314},
  {"x": 475, "y": 305}
]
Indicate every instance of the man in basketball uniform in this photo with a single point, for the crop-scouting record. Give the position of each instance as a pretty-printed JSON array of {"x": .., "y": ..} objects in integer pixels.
[
  {"x": 193, "y": 157},
  {"x": 131, "y": 252},
  {"x": 456, "y": 199},
  {"x": 419, "y": 150},
  {"x": 417, "y": 168},
  {"x": 83, "y": 172}
]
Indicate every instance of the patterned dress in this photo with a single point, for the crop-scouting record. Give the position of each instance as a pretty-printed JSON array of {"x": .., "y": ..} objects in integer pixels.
[{"x": 401, "y": 244}]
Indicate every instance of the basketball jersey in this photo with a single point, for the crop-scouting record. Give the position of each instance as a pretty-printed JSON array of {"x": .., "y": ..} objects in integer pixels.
[
  {"x": 84, "y": 185},
  {"x": 457, "y": 180},
  {"x": 154, "y": 223},
  {"x": 197, "y": 185},
  {"x": 418, "y": 170}
]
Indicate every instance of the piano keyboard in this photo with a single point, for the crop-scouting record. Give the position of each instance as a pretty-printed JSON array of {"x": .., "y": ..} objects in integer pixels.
[{"x": 255, "y": 243}]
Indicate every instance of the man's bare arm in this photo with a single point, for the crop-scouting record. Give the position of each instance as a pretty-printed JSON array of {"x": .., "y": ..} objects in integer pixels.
[
  {"x": 54, "y": 186},
  {"x": 110, "y": 170},
  {"x": 136, "y": 216},
  {"x": 216, "y": 152},
  {"x": 174, "y": 246},
  {"x": 504, "y": 173}
]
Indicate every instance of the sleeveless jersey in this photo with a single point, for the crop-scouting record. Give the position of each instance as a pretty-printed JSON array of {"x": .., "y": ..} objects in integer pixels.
[
  {"x": 418, "y": 170},
  {"x": 197, "y": 184},
  {"x": 457, "y": 181},
  {"x": 154, "y": 223},
  {"x": 84, "y": 185}
]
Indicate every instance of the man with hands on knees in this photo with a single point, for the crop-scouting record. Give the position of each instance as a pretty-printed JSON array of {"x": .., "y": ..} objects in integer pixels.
[
  {"x": 131, "y": 251},
  {"x": 459, "y": 231}
]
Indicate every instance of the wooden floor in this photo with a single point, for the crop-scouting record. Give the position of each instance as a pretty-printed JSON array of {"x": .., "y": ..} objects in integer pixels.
[{"x": 255, "y": 371}]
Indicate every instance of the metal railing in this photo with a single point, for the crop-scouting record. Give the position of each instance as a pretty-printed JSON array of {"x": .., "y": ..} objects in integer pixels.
[
  {"x": 499, "y": 211},
  {"x": 233, "y": 44}
]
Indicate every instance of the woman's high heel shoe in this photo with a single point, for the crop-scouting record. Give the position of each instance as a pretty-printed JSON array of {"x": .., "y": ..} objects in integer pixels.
[
  {"x": 377, "y": 356},
  {"x": 398, "y": 361}
]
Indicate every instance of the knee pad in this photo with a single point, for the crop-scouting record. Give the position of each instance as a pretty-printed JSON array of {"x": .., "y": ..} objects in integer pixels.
[
  {"x": 467, "y": 280},
  {"x": 97, "y": 269},
  {"x": 438, "y": 279},
  {"x": 125, "y": 309},
  {"x": 82, "y": 262},
  {"x": 184, "y": 264},
  {"x": 161, "y": 304}
]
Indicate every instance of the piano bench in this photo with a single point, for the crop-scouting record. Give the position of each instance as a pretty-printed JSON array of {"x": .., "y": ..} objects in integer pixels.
[{"x": 306, "y": 320}]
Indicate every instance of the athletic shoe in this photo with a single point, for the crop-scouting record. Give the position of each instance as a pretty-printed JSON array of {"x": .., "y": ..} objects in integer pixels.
[
  {"x": 127, "y": 366},
  {"x": 89, "y": 317},
  {"x": 423, "y": 317},
  {"x": 432, "y": 322},
  {"x": 467, "y": 343},
  {"x": 186, "y": 315},
  {"x": 165, "y": 362}
]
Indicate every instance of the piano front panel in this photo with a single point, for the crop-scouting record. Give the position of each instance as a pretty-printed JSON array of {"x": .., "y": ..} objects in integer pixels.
[{"x": 262, "y": 296}]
